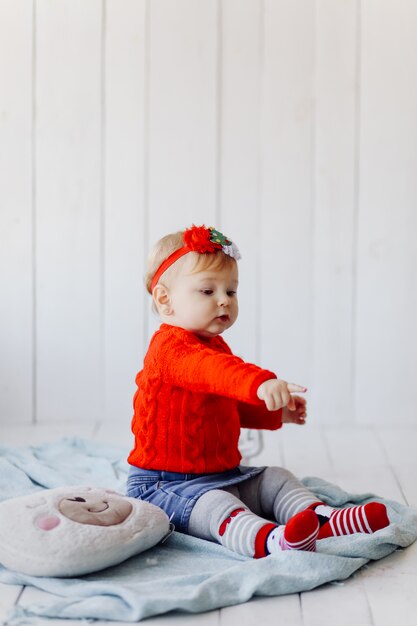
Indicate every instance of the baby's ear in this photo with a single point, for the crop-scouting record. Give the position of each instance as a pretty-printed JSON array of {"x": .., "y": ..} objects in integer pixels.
[{"x": 161, "y": 298}]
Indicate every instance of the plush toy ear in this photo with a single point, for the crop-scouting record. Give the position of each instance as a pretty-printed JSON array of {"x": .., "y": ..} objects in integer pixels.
[{"x": 71, "y": 531}]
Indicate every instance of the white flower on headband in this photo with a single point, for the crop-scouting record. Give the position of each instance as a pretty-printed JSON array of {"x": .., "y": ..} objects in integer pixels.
[{"x": 233, "y": 251}]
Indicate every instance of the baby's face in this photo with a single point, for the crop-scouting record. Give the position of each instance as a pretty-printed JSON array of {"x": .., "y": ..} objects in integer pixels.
[{"x": 205, "y": 302}]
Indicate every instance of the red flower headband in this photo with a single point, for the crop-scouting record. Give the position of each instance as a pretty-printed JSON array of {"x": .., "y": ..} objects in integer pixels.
[{"x": 202, "y": 240}]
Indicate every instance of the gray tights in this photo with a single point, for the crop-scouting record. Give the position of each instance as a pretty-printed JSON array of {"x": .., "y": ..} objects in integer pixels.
[{"x": 275, "y": 494}]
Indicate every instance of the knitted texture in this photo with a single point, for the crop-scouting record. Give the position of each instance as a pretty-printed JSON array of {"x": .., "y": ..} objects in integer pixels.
[
  {"x": 193, "y": 396},
  {"x": 367, "y": 518}
]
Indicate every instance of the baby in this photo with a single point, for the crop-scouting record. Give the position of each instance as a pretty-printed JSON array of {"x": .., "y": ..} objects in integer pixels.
[{"x": 192, "y": 399}]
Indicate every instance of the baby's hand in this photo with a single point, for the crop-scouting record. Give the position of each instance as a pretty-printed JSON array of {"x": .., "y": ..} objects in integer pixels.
[
  {"x": 276, "y": 394},
  {"x": 298, "y": 415}
]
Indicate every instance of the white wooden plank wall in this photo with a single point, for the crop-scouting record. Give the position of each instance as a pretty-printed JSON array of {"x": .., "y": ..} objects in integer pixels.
[
  {"x": 386, "y": 339},
  {"x": 286, "y": 189},
  {"x": 124, "y": 198},
  {"x": 16, "y": 212},
  {"x": 289, "y": 124},
  {"x": 68, "y": 252},
  {"x": 335, "y": 207}
]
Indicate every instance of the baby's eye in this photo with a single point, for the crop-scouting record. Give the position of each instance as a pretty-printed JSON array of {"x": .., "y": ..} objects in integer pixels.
[
  {"x": 77, "y": 499},
  {"x": 207, "y": 292},
  {"x": 231, "y": 293}
]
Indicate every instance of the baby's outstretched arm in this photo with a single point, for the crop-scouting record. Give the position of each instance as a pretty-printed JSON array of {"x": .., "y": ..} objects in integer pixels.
[{"x": 276, "y": 393}]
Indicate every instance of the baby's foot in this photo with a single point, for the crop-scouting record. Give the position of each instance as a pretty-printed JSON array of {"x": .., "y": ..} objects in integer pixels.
[
  {"x": 300, "y": 533},
  {"x": 366, "y": 518}
]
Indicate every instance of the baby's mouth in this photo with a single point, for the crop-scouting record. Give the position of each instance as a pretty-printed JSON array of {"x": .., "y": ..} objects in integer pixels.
[{"x": 223, "y": 318}]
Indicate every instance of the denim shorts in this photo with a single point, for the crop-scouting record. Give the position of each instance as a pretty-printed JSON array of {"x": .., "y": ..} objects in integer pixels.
[{"x": 177, "y": 493}]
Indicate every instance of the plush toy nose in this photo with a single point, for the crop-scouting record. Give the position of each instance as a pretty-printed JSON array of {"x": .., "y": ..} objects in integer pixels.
[{"x": 47, "y": 522}]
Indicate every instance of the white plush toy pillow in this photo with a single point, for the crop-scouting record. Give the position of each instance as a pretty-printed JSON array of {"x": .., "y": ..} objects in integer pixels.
[{"x": 72, "y": 531}]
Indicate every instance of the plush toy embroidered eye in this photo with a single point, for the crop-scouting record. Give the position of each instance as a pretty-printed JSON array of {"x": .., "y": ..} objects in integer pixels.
[{"x": 72, "y": 531}]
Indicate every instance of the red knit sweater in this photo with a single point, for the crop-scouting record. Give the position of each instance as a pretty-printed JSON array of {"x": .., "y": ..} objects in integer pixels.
[{"x": 193, "y": 396}]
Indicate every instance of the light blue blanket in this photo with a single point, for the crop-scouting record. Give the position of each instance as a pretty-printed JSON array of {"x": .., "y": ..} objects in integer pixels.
[{"x": 184, "y": 573}]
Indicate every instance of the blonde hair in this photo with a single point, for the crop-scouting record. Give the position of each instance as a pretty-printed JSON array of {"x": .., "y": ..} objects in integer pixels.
[{"x": 172, "y": 242}]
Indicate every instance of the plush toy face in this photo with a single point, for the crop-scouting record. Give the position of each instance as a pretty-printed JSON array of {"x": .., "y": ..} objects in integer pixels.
[
  {"x": 76, "y": 530},
  {"x": 97, "y": 509}
]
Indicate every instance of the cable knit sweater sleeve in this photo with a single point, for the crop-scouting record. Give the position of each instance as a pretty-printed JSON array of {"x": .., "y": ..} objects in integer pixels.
[
  {"x": 186, "y": 361},
  {"x": 259, "y": 417}
]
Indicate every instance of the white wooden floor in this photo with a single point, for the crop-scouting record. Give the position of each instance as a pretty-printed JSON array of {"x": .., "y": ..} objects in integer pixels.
[{"x": 382, "y": 460}]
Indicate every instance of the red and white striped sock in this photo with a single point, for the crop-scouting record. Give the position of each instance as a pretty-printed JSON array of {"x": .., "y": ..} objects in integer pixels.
[
  {"x": 300, "y": 533},
  {"x": 244, "y": 532},
  {"x": 366, "y": 518},
  {"x": 247, "y": 533}
]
